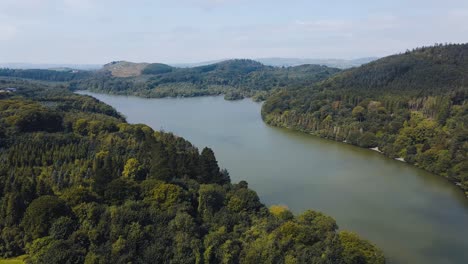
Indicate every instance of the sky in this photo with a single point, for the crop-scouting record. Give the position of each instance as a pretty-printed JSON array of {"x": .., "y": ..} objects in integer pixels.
[{"x": 183, "y": 31}]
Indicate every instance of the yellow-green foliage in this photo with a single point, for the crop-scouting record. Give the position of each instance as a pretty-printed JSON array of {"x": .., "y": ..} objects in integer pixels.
[
  {"x": 17, "y": 260},
  {"x": 281, "y": 211},
  {"x": 166, "y": 194},
  {"x": 357, "y": 250},
  {"x": 131, "y": 169}
]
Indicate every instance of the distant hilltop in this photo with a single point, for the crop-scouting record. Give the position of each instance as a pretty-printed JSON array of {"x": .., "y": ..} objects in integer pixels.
[
  {"x": 287, "y": 62},
  {"x": 335, "y": 63},
  {"x": 127, "y": 69}
]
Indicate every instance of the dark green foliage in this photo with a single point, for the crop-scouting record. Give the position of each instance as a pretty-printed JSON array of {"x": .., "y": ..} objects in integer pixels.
[
  {"x": 120, "y": 190},
  {"x": 157, "y": 68},
  {"x": 46, "y": 75},
  {"x": 99, "y": 190},
  {"x": 35, "y": 120},
  {"x": 410, "y": 106},
  {"x": 63, "y": 227},
  {"x": 429, "y": 69},
  {"x": 40, "y": 215},
  {"x": 209, "y": 170},
  {"x": 244, "y": 200}
]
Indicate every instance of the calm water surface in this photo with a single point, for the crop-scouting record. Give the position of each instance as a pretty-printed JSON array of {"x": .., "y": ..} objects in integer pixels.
[{"x": 414, "y": 216}]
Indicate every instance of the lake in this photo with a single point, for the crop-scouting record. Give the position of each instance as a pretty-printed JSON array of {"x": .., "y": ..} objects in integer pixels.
[{"x": 414, "y": 216}]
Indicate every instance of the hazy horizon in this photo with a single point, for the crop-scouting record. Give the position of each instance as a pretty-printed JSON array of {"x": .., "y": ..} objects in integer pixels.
[
  {"x": 192, "y": 31},
  {"x": 186, "y": 62}
]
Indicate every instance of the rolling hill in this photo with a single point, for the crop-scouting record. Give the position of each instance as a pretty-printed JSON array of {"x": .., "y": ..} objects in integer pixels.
[
  {"x": 334, "y": 63},
  {"x": 236, "y": 78}
]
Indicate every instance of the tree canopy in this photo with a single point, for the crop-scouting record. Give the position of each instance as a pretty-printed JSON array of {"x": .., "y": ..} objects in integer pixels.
[{"x": 99, "y": 190}]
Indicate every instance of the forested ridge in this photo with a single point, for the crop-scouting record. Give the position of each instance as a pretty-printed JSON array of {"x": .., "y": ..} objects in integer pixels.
[
  {"x": 80, "y": 185},
  {"x": 46, "y": 75},
  {"x": 234, "y": 78},
  {"x": 411, "y": 106}
]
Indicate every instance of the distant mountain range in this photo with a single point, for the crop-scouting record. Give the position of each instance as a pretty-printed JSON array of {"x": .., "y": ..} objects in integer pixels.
[
  {"x": 278, "y": 62},
  {"x": 335, "y": 63},
  {"x": 286, "y": 62},
  {"x": 49, "y": 66}
]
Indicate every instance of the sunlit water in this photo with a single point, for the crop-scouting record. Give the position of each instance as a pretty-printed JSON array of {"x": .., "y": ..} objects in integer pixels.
[{"x": 414, "y": 216}]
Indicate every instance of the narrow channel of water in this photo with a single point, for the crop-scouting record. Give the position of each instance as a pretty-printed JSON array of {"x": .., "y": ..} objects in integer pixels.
[{"x": 414, "y": 216}]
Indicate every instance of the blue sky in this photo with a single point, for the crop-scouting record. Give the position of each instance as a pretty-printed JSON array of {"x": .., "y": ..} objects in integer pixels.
[{"x": 99, "y": 31}]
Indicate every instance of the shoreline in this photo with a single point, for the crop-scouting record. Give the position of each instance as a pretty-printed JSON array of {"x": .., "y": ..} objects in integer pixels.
[{"x": 455, "y": 182}]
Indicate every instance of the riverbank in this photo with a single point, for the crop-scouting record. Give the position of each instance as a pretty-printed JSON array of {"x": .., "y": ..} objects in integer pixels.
[
  {"x": 230, "y": 94},
  {"x": 376, "y": 149}
]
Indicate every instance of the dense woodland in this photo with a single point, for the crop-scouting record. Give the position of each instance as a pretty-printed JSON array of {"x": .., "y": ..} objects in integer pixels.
[
  {"x": 64, "y": 75},
  {"x": 236, "y": 78},
  {"x": 411, "y": 106},
  {"x": 80, "y": 185}
]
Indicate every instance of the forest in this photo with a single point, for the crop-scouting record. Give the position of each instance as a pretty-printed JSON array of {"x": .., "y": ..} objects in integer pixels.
[
  {"x": 411, "y": 106},
  {"x": 46, "y": 75},
  {"x": 81, "y": 185},
  {"x": 234, "y": 78}
]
